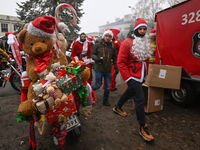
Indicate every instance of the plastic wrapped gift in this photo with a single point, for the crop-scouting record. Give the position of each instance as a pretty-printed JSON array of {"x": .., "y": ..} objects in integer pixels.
[
  {"x": 68, "y": 83},
  {"x": 43, "y": 105},
  {"x": 75, "y": 67},
  {"x": 66, "y": 108}
]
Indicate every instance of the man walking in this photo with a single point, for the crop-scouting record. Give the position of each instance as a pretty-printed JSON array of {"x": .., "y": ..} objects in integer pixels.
[
  {"x": 102, "y": 54},
  {"x": 133, "y": 60}
]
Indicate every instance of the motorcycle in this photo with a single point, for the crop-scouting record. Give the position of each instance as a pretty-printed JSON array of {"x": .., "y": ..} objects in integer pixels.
[{"x": 8, "y": 71}]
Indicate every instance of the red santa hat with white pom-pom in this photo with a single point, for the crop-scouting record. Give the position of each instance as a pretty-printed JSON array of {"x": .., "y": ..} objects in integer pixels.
[
  {"x": 44, "y": 26},
  {"x": 153, "y": 32},
  {"x": 139, "y": 23}
]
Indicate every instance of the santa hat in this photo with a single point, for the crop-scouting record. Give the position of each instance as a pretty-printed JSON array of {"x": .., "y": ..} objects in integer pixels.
[
  {"x": 45, "y": 82},
  {"x": 107, "y": 32},
  {"x": 153, "y": 32},
  {"x": 115, "y": 32},
  {"x": 90, "y": 38},
  {"x": 44, "y": 26},
  {"x": 140, "y": 22}
]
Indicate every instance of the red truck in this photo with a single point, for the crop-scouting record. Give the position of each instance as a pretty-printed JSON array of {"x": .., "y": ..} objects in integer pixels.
[{"x": 178, "y": 44}]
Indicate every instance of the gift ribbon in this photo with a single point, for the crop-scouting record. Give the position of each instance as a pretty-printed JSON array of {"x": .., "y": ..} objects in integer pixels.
[
  {"x": 79, "y": 63},
  {"x": 64, "y": 72}
]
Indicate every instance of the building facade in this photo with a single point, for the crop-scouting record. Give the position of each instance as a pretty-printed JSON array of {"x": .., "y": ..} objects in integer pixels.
[
  {"x": 124, "y": 25},
  {"x": 8, "y": 24}
]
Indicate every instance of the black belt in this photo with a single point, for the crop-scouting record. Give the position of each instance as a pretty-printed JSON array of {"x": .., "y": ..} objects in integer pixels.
[
  {"x": 82, "y": 55},
  {"x": 134, "y": 64}
]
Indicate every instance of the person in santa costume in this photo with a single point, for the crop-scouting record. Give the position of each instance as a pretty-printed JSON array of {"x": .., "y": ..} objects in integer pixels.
[
  {"x": 153, "y": 45},
  {"x": 117, "y": 44},
  {"x": 133, "y": 60},
  {"x": 103, "y": 53},
  {"x": 90, "y": 39},
  {"x": 81, "y": 50}
]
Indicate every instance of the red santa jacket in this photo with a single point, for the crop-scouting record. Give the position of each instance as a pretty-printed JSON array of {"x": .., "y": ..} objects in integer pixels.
[
  {"x": 77, "y": 49},
  {"x": 125, "y": 63}
]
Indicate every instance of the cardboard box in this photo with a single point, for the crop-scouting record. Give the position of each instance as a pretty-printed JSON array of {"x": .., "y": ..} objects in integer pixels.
[
  {"x": 164, "y": 76},
  {"x": 154, "y": 98}
]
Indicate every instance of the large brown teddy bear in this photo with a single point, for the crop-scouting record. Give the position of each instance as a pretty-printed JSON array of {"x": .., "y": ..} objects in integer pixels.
[{"x": 37, "y": 42}]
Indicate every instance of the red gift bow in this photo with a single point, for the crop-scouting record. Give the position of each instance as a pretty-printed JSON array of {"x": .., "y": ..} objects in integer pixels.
[
  {"x": 62, "y": 72},
  {"x": 79, "y": 63}
]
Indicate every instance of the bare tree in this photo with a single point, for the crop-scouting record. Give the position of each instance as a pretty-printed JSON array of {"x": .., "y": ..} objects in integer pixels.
[
  {"x": 146, "y": 9},
  {"x": 173, "y": 2}
]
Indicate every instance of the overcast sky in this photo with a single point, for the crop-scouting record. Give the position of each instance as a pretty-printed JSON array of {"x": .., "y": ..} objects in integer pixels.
[{"x": 97, "y": 12}]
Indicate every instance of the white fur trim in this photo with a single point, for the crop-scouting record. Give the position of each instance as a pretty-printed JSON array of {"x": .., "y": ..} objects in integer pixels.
[
  {"x": 142, "y": 75},
  {"x": 76, "y": 57},
  {"x": 37, "y": 32},
  {"x": 152, "y": 34},
  {"x": 43, "y": 86},
  {"x": 139, "y": 25},
  {"x": 107, "y": 32}
]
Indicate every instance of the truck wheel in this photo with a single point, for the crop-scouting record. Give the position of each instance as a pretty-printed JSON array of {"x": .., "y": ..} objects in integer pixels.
[
  {"x": 183, "y": 97},
  {"x": 75, "y": 133}
]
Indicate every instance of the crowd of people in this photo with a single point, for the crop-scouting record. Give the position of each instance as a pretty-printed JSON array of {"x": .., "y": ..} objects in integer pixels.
[{"x": 131, "y": 58}]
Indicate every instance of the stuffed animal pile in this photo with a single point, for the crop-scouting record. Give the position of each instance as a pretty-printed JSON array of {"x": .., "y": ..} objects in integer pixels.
[{"x": 50, "y": 90}]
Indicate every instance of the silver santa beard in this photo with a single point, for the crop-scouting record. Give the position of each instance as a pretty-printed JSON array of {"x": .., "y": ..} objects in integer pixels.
[{"x": 141, "y": 48}]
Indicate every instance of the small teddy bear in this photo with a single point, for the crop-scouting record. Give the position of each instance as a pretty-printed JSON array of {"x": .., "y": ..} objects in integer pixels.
[
  {"x": 52, "y": 90},
  {"x": 62, "y": 42},
  {"x": 55, "y": 66},
  {"x": 38, "y": 89},
  {"x": 62, "y": 119}
]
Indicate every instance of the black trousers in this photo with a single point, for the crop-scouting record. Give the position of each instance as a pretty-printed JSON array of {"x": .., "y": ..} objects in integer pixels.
[{"x": 135, "y": 91}]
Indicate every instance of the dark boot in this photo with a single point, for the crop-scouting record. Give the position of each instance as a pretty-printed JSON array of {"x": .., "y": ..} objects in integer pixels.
[
  {"x": 106, "y": 103},
  {"x": 30, "y": 147}
]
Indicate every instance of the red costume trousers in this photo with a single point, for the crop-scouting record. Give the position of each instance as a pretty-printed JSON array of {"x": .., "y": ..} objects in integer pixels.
[{"x": 113, "y": 79}]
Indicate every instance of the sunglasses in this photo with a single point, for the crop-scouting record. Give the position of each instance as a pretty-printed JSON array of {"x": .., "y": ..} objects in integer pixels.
[
  {"x": 108, "y": 36},
  {"x": 142, "y": 28}
]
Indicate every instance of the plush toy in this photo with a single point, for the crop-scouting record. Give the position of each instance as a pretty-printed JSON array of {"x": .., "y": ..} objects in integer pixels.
[
  {"x": 38, "y": 89},
  {"x": 62, "y": 119},
  {"x": 62, "y": 42},
  {"x": 37, "y": 42},
  {"x": 86, "y": 74},
  {"x": 55, "y": 66},
  {"x": 52, "y": 90}
]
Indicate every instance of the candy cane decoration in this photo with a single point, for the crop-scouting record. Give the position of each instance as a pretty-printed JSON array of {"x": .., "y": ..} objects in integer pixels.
[{"x": 56, "y": 21}]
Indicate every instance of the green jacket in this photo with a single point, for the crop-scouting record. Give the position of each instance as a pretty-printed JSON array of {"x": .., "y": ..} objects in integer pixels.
[{"x": 108, "y": 52}]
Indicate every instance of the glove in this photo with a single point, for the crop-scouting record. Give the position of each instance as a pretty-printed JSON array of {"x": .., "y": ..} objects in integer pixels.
[{"x": 101, "y": 60}]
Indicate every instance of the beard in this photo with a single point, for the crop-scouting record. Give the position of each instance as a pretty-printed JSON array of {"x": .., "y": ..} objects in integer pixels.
[{"x": 141, "y": 48}]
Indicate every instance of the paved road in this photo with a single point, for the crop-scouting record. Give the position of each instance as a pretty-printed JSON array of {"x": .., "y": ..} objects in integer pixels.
[{"x": 8, "y": 90}]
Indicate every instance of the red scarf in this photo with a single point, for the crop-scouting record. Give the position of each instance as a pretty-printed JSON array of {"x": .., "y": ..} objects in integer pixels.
[{"x": 44, "y": 57}]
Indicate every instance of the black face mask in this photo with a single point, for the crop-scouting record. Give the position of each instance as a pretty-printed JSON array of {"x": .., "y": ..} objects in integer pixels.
[
  {"x": 138, "y": 34},
  {"x": 82, "y": 40}
]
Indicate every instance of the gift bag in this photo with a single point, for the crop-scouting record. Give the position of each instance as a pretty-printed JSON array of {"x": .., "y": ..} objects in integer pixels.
[{"x": 45, "y": 125}]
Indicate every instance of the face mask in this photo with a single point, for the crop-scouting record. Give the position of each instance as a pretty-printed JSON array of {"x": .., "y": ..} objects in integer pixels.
[{"x": 82, "y": 40}]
